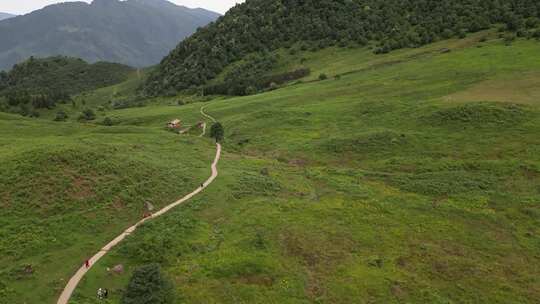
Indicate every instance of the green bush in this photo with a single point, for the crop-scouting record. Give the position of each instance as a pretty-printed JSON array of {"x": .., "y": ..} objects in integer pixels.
[
  {"x": 149, "y": 286},
  {"x": 323, "y": 77},
  {"x": 87, "y": 115},
  {"x": 217, "y": 131},
  {"x": 108, "y": 121},
  {"x": 61, "y": 116}
]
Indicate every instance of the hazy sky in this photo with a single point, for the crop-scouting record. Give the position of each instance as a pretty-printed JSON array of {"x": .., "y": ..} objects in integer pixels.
[{"x": 26, "y": 6}]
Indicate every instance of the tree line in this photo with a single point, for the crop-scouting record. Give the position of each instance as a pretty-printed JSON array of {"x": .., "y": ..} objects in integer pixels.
[
  {"x": 259, "y": 26},
  {"x": 42, "y": 83}
]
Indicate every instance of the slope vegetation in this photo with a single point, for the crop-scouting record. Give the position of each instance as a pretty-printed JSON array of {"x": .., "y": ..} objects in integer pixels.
[
  {"x": 386, "y": 182},
  {"x": 65, "y": 74},
  {"x": 262, "y": 25},
  {"x": 67, "y": 189}
]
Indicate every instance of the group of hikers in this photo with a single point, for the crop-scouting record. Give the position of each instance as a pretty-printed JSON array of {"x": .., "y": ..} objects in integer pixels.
[{"x": 102, "y": 293}]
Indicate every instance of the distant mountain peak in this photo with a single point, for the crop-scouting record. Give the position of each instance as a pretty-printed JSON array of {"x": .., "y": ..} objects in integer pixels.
[
  {"x": 134, "y": 32},
  {"x": 5, "y": 16},
  {"x": 101, "y": 2}
]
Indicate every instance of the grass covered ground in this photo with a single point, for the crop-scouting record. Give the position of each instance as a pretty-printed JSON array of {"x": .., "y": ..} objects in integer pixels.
[
  {"x": 404, "y": 180},
  {"x": 67, "y": 189}
]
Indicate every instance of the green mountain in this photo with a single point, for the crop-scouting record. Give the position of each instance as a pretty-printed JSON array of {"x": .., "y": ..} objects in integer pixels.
[
  {"x": 384, "y": 173},
  {"x": 42, "y": 83},
  {"x": 266, "y": 25},
  {"x": 5, "y": 16},
  {"x": 134, "y": 32},
  {"x": 407, "y": 177},
  {"x": 70, "y": 75}
]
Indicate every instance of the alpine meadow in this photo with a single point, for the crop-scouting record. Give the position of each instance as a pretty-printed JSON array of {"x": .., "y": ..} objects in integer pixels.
[{"x": 291, "y": 151}]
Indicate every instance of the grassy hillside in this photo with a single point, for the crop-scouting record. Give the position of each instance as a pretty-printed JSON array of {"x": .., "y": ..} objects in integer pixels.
[
  {"x": 412, "y": 177},
  {"x": 262, "y": 26},
  {"x": 67, "y": 188}
]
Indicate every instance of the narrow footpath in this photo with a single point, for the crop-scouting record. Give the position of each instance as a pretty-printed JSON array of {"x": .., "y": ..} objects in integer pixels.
[{"x": 74, "y": 281}]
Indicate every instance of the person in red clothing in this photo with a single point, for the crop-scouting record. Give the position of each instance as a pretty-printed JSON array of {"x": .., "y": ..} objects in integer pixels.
[{"x": 87, "y": 263}]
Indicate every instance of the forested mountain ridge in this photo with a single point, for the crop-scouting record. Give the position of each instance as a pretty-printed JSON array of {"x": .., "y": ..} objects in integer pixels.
[
  {"x": 41, "y": 83},
  {"x": 133, "y": 32},
  {"x": 266, "y": 25}
]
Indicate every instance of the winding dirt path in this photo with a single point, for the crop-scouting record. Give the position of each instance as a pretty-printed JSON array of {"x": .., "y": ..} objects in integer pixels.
[
  {"x": 74, "y": 281},
  {"x": 206, "y": 115},
  {"x": 203, "y": 130}
]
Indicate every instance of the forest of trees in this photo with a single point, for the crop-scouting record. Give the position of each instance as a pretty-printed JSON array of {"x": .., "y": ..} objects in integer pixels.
[
  {"x": 260, "y": 26},
  {"x": 42, "y": 83}
]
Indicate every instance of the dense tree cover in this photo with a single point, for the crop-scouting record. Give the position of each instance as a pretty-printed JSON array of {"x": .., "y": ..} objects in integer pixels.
[
  {"x": 42, "y": 83},
  {"x": 148, "y": 286},
  {"x": 61, "y": 74},
  {"x": 251, "y": 75},
  {"x": 266, "y": 25}
]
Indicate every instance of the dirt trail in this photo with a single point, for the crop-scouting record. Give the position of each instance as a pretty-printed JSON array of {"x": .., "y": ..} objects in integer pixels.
[
  {"x": 203, "y": 130},
  {"x": 206, "y": 115},
  {"x": 74, "y": 281}
]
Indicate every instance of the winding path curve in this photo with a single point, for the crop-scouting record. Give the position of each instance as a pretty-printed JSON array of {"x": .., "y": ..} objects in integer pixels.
[
  {"x": 74, "y": 281},
  {"x": 206, "y": 115}
]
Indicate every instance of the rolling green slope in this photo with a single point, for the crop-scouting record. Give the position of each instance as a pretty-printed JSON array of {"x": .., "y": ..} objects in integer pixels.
[
  {"x": 66, "y": 189},
  {"x": 411, "y": 177},
  {"x": 262, "y": 26}
]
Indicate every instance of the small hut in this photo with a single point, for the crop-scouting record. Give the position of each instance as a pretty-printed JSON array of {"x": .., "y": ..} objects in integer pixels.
[{"x": 175, "y": 124}]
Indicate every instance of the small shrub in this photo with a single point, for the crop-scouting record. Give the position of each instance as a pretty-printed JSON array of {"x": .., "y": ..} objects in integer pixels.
[
  {"x": 108, "y": 121},
  {"x": 323, "y": 77},
  {"x": 87, "y": 115},
  {"x": 149, "y": 285},
  {"x": 251, "y": 90},
  {"x": 61, "y": 116},
  {"x": 509, "y": 38},
  {"x": 34, "y": 114}
]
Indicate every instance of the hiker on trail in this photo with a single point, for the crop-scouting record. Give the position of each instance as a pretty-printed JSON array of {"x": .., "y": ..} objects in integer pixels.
[{"x": 87, "y": 263}]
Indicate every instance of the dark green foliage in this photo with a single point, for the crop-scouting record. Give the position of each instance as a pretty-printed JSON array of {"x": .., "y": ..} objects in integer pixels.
[
  {"x": 87, "y": 115},
  {"x": 60, "y": 77},
  {"x": 108, "y": 121},
  {"x": 44, "y": 100},
  {"x": 34, "y": 114},
  {"x": 149, "y": 286},
  {"x": 254, "y": 85},
  {"x": 323, "y": 77},
  {"x": 61, "y": 116},
  {"x": 217, "y": 131},
  {"x": 43, "y": 83},
  {"x": 266, "y": 25}
]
